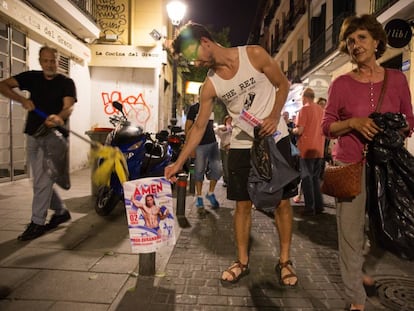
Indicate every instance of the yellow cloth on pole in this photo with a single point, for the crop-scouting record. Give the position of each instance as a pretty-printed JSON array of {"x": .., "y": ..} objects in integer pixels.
[{"x": 111, "y": 160}]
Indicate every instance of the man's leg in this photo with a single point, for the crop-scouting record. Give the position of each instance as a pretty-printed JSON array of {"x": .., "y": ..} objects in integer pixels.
[
  {"x": 284, "y": 222},
  {"x": 242, "y": 225},
  {"x": 42, "y": 184},
  {"x": 214, "y": 163},
  {"x": 212, "y": 185},
  {"x": 198, "y": 188}
]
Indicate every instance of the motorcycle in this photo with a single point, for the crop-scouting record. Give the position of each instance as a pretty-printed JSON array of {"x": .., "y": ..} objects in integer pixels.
[
  {"x": 145, "y": 157},
  {"x": 176, "y": 139}
]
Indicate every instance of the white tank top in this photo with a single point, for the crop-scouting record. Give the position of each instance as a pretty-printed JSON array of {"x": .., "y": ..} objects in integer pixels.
[{"x": 249, "y": 89}]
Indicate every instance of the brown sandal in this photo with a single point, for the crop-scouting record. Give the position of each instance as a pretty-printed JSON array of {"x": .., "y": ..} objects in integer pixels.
[
  {"x": 244, "y": 270},
  {"x": 286, "y": 265}
]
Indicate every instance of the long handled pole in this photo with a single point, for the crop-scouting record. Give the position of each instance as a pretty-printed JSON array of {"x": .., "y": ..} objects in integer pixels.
[{"x": 65, "y": 132}]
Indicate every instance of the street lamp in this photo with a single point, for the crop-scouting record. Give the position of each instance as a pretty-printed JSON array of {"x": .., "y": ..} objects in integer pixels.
[{"x": 176, "y": 11}]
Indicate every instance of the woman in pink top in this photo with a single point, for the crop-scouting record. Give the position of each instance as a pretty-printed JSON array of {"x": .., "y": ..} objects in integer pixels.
[{"x": 352, "y": 97}]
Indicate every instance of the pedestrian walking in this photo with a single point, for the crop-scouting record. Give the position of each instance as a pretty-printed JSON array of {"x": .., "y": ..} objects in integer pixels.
[
  {"x": 311, "y": 147},
  {"x": 224, "y": 133},
  {"x": 352, "y": 97},
  {"x": 207, "y": 160}
]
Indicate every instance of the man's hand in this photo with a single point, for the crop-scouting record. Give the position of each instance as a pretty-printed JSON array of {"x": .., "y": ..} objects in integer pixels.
[
  {"x": 268, "y": 126},
  {"x": 170, "y": 171},
  {"x": 28, "y": 104},
  {"x": 54, "y": 120}
]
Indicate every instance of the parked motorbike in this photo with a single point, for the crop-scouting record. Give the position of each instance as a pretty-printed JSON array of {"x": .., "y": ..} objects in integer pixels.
[
  {"x": 146, "y": 157},
  {"x": 176, "y": 139}
]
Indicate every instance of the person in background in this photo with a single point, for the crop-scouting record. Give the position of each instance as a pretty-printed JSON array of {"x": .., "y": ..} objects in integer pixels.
[
  {"x": 352, "y": 97},
  {"x": 248, "y": 79},
  {"x": 207, "y": 157},
  {"x": 326, "y": 150},
  {"x": 311, "y": 147},
  {"x": 290, "y": 124},
  {"x": 55, "y": 95},
  {"x": 224, "y": 133}
]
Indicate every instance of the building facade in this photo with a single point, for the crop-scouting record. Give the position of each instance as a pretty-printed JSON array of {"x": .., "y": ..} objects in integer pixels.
[
  {"x": 302, "y": 35},
  {"x": 113, "y": 50}
]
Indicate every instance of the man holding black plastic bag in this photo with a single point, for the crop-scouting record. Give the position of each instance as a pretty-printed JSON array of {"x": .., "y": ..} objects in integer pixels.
[
  {"x": 246, "y": 80},
  {"x": 55, "y": 95}
]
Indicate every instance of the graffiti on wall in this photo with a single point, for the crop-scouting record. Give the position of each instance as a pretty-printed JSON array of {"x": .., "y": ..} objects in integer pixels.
[
  {"x": 112, "y": 18},
  {"x": 135, "y": 107}
]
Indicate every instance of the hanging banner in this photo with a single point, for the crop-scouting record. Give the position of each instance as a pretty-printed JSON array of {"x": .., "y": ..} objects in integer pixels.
[{"x": 149, "y": 211}]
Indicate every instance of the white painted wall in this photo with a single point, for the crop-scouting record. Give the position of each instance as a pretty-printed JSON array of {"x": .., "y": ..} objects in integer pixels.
[
  {"x": 136, "y": 88},
  {"x": 81, "y": 116}
]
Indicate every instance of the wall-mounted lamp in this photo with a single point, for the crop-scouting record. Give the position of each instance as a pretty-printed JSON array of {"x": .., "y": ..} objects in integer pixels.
[
  {"x": 155, "y": 34},
  {"x": 176, "y": 11}
]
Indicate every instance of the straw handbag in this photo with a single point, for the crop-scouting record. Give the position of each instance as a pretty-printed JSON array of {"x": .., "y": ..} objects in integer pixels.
[{"x": 342, "y": 181}]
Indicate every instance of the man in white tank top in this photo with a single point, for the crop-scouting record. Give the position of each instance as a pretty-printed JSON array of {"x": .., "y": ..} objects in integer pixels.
[{"x": 253, "y": 88}]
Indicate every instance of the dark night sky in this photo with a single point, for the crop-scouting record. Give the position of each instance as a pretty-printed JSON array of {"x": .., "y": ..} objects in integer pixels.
[{"x": 236, "y": 14}]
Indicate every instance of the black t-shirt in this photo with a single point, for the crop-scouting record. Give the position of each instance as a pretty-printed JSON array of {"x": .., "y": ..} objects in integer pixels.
[
  {"x": 47, "y": 95},
  {"x": 209, "y": 135}
]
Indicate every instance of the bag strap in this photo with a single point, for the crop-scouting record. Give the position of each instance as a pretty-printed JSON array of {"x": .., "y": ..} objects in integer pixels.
[{"x": 384, "y": 86}]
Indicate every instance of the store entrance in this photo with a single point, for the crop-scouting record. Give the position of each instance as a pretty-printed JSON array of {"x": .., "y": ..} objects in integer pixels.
[{"x": 13, "y": 60}]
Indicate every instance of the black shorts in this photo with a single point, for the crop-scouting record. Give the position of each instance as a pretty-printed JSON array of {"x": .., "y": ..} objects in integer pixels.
[{"x": 239, "y": 168}]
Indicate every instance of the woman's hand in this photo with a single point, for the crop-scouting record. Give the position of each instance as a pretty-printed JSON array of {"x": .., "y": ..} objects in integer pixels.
[{"x": 366, "y": 126}]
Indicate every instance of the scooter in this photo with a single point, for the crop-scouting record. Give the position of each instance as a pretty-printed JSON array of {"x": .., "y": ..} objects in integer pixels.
[
  {"x": 176, "y": 139},
  {"x": 145, "y": 156}
]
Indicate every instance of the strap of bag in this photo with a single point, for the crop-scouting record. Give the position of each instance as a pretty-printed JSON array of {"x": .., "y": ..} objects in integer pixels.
[{"x": 384, "y": 86}]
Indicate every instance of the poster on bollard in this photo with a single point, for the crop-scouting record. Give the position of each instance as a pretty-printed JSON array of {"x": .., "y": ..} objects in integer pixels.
[{"x": 149, "y": 211}]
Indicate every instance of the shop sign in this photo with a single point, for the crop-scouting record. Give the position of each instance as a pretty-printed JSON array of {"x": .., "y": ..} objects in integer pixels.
[
  {"x": 398, "y": 33},
  {"x": 126, "y": 56}
]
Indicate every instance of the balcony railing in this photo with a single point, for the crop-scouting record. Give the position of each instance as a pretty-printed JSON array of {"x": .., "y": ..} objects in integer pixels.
[
  {"x": 86, "y": 6},
  {"x": 289, "y": 21},
  {"x": 379, "y": 6},
  {"x": 324, "y": 45}
]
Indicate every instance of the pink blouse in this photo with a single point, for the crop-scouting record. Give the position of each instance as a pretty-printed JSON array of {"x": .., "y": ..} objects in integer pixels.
[{"x": 349, "y": 98}]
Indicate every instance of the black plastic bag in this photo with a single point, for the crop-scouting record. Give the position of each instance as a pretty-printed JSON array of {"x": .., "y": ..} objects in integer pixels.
[
  {"x": 56, "y": 157},
  {"x": 390, "y": 187},
  {"x": 271, "y": 175}
]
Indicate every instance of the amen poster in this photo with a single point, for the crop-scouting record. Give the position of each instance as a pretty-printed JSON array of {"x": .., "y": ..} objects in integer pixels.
[{"x": 149, "y": 211}]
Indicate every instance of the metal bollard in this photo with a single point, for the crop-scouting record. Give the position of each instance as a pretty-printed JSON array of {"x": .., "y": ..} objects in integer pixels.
[
  {"x": 191, "y": 189},
  {"x": 146, "y": 264},
  {"x": 181, "y": 185}
]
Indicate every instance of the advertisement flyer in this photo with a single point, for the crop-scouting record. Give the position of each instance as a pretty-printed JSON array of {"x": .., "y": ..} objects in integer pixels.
[
  {"x": 149, "y": 211},
  {"x": 247, "y": 122}
]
